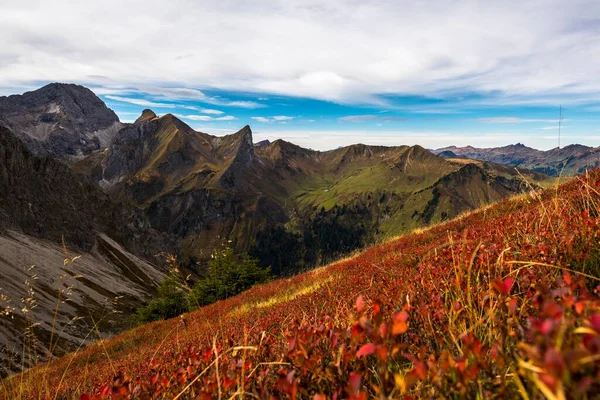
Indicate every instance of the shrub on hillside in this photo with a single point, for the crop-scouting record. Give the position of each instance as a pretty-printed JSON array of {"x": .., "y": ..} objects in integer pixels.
[
  {"x": 170, "y": 302},
  {"x": 227, "y": 277}
]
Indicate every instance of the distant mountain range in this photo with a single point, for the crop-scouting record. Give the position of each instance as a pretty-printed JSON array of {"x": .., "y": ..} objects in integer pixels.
[
  {"x": 569, "y": 160},
  {"x": 121, "y": 193}
]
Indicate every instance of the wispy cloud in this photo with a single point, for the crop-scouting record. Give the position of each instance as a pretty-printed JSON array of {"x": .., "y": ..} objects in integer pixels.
[
  {"x": 237, "y": 103},
  {"x": 515, "y": 120},
  {"x": 195, "y": 94},
  {"x": 205, "y": 117},
  {"x": 277, "y": 118},
  {"x": 178, "y": 95},
  {"x": 371, "y": 117},
  {"x": 203, "y": 110},
  {"x": 553, "y": 127},
  {"x": 140, "y": 102}
]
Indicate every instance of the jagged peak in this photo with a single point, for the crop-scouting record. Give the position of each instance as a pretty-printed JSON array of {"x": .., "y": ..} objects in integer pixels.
[
  {"x": 239, "y": 139},
  {"x": 58, "y": 91},
  {"x": 263, "y": 143},
  {"x": 244, "y": 154},
  {"x": 517, "y": 146},
  {"x": 246, "y": 133},
  {"x": 147, "y": 115}
]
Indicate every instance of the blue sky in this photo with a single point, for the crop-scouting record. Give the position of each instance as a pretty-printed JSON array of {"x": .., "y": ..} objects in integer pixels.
[
  {"x": 431, "y": 122},
  {"x": 325, "y": 73}
]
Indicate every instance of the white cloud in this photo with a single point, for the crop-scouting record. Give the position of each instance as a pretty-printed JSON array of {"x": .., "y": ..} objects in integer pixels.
[
  {"x": 240, "y": 104},
  {"x": 140, "y": 102},
  {"x": 209, "y": 111},
  {"x": 526, "y": 52},
  {"x": 370, "y": 117},
  {"x": 553, "y": 127},
  {"x": 203, "y": 110},
  {"x": 205, "y": 117},
  {"x": 174, "y": 93},
  {"x": 514, "y": 120},
  {"x": 276, "y": 118}
]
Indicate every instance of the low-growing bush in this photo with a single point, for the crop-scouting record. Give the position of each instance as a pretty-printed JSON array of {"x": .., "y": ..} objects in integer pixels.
[
  {"x": 226, "y": 277},
  {"x": 172, "y": 300}
]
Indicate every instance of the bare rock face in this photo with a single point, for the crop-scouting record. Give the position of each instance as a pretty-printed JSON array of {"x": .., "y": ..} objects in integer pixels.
[
  {"x": 44, "y": 198},
  {"x": 243, "y": 158},
  {"x": 44, "y": 205},
  {"x": 65, "y": 121}
]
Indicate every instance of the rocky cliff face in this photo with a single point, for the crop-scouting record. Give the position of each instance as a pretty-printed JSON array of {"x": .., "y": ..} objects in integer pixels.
[
  {"x": 64, "y": 121},
  {"x": 45, "y": 209},
  {"x": 188, "y": 184},
  {"x": 43, "y": 198},
  {"x": 232, "y": 175}
]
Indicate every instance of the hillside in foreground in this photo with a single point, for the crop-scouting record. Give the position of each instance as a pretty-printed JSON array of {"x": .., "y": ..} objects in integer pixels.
[{"x": 500, "y": 303}]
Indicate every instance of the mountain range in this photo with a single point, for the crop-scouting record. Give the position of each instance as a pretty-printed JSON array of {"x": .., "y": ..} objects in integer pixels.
[
  {"x": 278, "y": 198},
  {"x": 569, "y": 160},
  {"x": 76, "y": 180}
]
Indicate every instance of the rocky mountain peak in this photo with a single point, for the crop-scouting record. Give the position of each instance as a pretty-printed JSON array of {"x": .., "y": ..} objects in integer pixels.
[
  {"x": 147, "y": 115},
  {"x": 65, "y": 121},
  {"x": 76, "y": 102},
  {"x": 262, "y": 143},
  {"x": 244, "y": 155},
  {"x": 244, "y": 135}
]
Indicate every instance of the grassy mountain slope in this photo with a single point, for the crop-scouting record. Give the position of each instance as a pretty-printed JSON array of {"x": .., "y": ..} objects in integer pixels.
[
  {"x": 500, "y": 303},
  {"x": 206, "y": 190}
]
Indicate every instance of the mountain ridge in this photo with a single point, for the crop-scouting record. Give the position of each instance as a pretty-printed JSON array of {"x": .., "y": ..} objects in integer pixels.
[
  {"x": 569, "y": 160},
  {"x": 204, "y": 190},
  {"x": 199, "y": 187}
]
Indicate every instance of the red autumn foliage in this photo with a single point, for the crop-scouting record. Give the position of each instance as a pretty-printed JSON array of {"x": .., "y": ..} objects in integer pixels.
[{"x": 501, "y": 303}]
